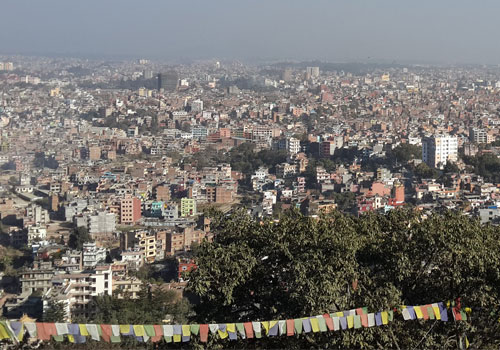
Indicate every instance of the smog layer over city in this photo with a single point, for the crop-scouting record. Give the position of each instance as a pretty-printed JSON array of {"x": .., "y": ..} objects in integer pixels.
[{"x": 249, "y": 174}]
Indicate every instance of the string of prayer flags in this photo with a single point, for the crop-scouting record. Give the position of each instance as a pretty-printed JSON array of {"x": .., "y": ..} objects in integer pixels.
[{"x": 336, "y": 321}]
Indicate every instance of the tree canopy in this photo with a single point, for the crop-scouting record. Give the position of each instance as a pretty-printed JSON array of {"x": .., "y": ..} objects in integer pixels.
[
  {"x": 54, "y": 312},
  {"x": 152, "y": 306},
  {"x": 303, "y": 266},
  {"x": 78, "y": 237}
]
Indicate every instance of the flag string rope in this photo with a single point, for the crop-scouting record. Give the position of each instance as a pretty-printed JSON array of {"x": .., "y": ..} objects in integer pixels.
[{"x": 16, "y": 331}]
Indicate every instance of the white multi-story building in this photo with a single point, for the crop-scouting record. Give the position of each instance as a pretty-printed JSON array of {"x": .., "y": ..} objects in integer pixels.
[
  {"x": 437, "y": 150},
  {"x": 293, "y": 145},
  {"x": 197, "y": 106},
  {"x": 36, "y": 214},
  {"x": 92, "y": 255},
  {"x": 36, "y": 233},
  {"x": 75, "y": 290}
]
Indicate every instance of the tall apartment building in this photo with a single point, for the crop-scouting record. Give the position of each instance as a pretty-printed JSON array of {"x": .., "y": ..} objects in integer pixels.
[
  {"x": 37, "y": 278},
  {"x": 94, "y": 153},
  {"x": 286, "y": 75},
  {"x": 293, "y": 145},
  {"x": 35, "y": 214},
  {"x": 130, "y": 210},
  {"x": 76, "y": 290},
  {"x": 437, "y": 150},
  {"x": 477, "y": 135},
  {"x": 36, "y": 233},
  {"x": 188, "y": 207},
  {"x": 168, "y": 81},
  {"x": 312, "y": 72},
  {"x": 92, "y": 255},
  {"x": 197, "y": 106}
]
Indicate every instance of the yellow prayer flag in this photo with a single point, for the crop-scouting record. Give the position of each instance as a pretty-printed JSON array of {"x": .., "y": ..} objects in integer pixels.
[
  {"x": 3, "y": 333},
  {"x": 223, "y": 335},
  {"x": 186, "y": 330},
  {"x": 124, "y": 328},
  {"x": 265, "y": 324},
  {"x": 177, "y": 338},
  {"x": 272, "y": 324},
  {"x": 83, "y": 330},
  {"x": 436, "y": 312},
  {"x": 231, "y": 327},
  {"x": 418, "y": 312},
  {"x": 139, "y": 330},
  {"x": 385, "y": 317},
  {"x": 315, "y": 324},
  {"x": 339, "y": 314},
  {"x": 350, "y": 321},
  {"x": 71, "y": 338}
]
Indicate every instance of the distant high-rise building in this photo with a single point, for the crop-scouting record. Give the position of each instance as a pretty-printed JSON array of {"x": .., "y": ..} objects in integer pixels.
[
  {"x": 6, "y": 66},
  {"x": 439, "y": 149},
  {"x": 148, "y": 74},
  {"x": 312, "y": 72},
  {"x": 94, "y": 153},
  {"x": 197, "y": 106},
  {"x": 477, "y": 135},
  {"x": 168, "y": 81},
  {"x": 287, "y": 75}
]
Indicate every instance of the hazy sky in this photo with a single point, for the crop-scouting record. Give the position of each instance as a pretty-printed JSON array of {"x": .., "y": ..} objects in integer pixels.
[{"x": 402, "y": 30}]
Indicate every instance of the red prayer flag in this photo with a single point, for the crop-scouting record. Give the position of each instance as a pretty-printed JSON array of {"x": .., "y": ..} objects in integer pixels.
[
  {"x": 424, "y": 311},
  {"x": 328, "y": 320},
  {"x": 204, "y": 332},
  {"x": 456, "y": 314},
  {"x": 158, "y": 333},
  {"x": 290, "y": 326},
  {"x": 40, "y": 331},
  {"x": 248, "y": 329},
  {"x": 50, "y": 329},
  {"x": 106, "y": 332},
  {"x": 364, "y": 320},
  {"x": 359, "y": 311}
]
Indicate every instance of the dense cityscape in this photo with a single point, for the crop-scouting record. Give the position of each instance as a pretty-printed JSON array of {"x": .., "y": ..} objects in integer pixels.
[{"x": 113, "y": 171}]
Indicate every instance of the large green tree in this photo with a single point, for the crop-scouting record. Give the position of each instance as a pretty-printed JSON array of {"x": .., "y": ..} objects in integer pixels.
[
  {"x": 152, "y": 306},
  {"x": 78, "y": 237},
  {"x": 303, "y": 266}
]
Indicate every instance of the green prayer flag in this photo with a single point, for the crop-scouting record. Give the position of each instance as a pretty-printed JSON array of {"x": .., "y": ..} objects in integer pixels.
[
  {"x": 168, "y": 339},
  {"x": 258, "y": 334},
  {"x": 430, "y": 312},
  {"x": 195, "y": 329},
  {"x": 357, "y": 321},
  {"x": 365, "y": 310},
  {"x": 58, "y": 338},
  {"x": 115, "y": 339},
  {"x": 322, "y": 324},
  {"x": 298, "y": 325},
  {"x": 391, "y": 315},
  {"x": 241, "y": 328},
  {"x": 150, "y": 330},
  {"x": 464, "y": 315}
]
